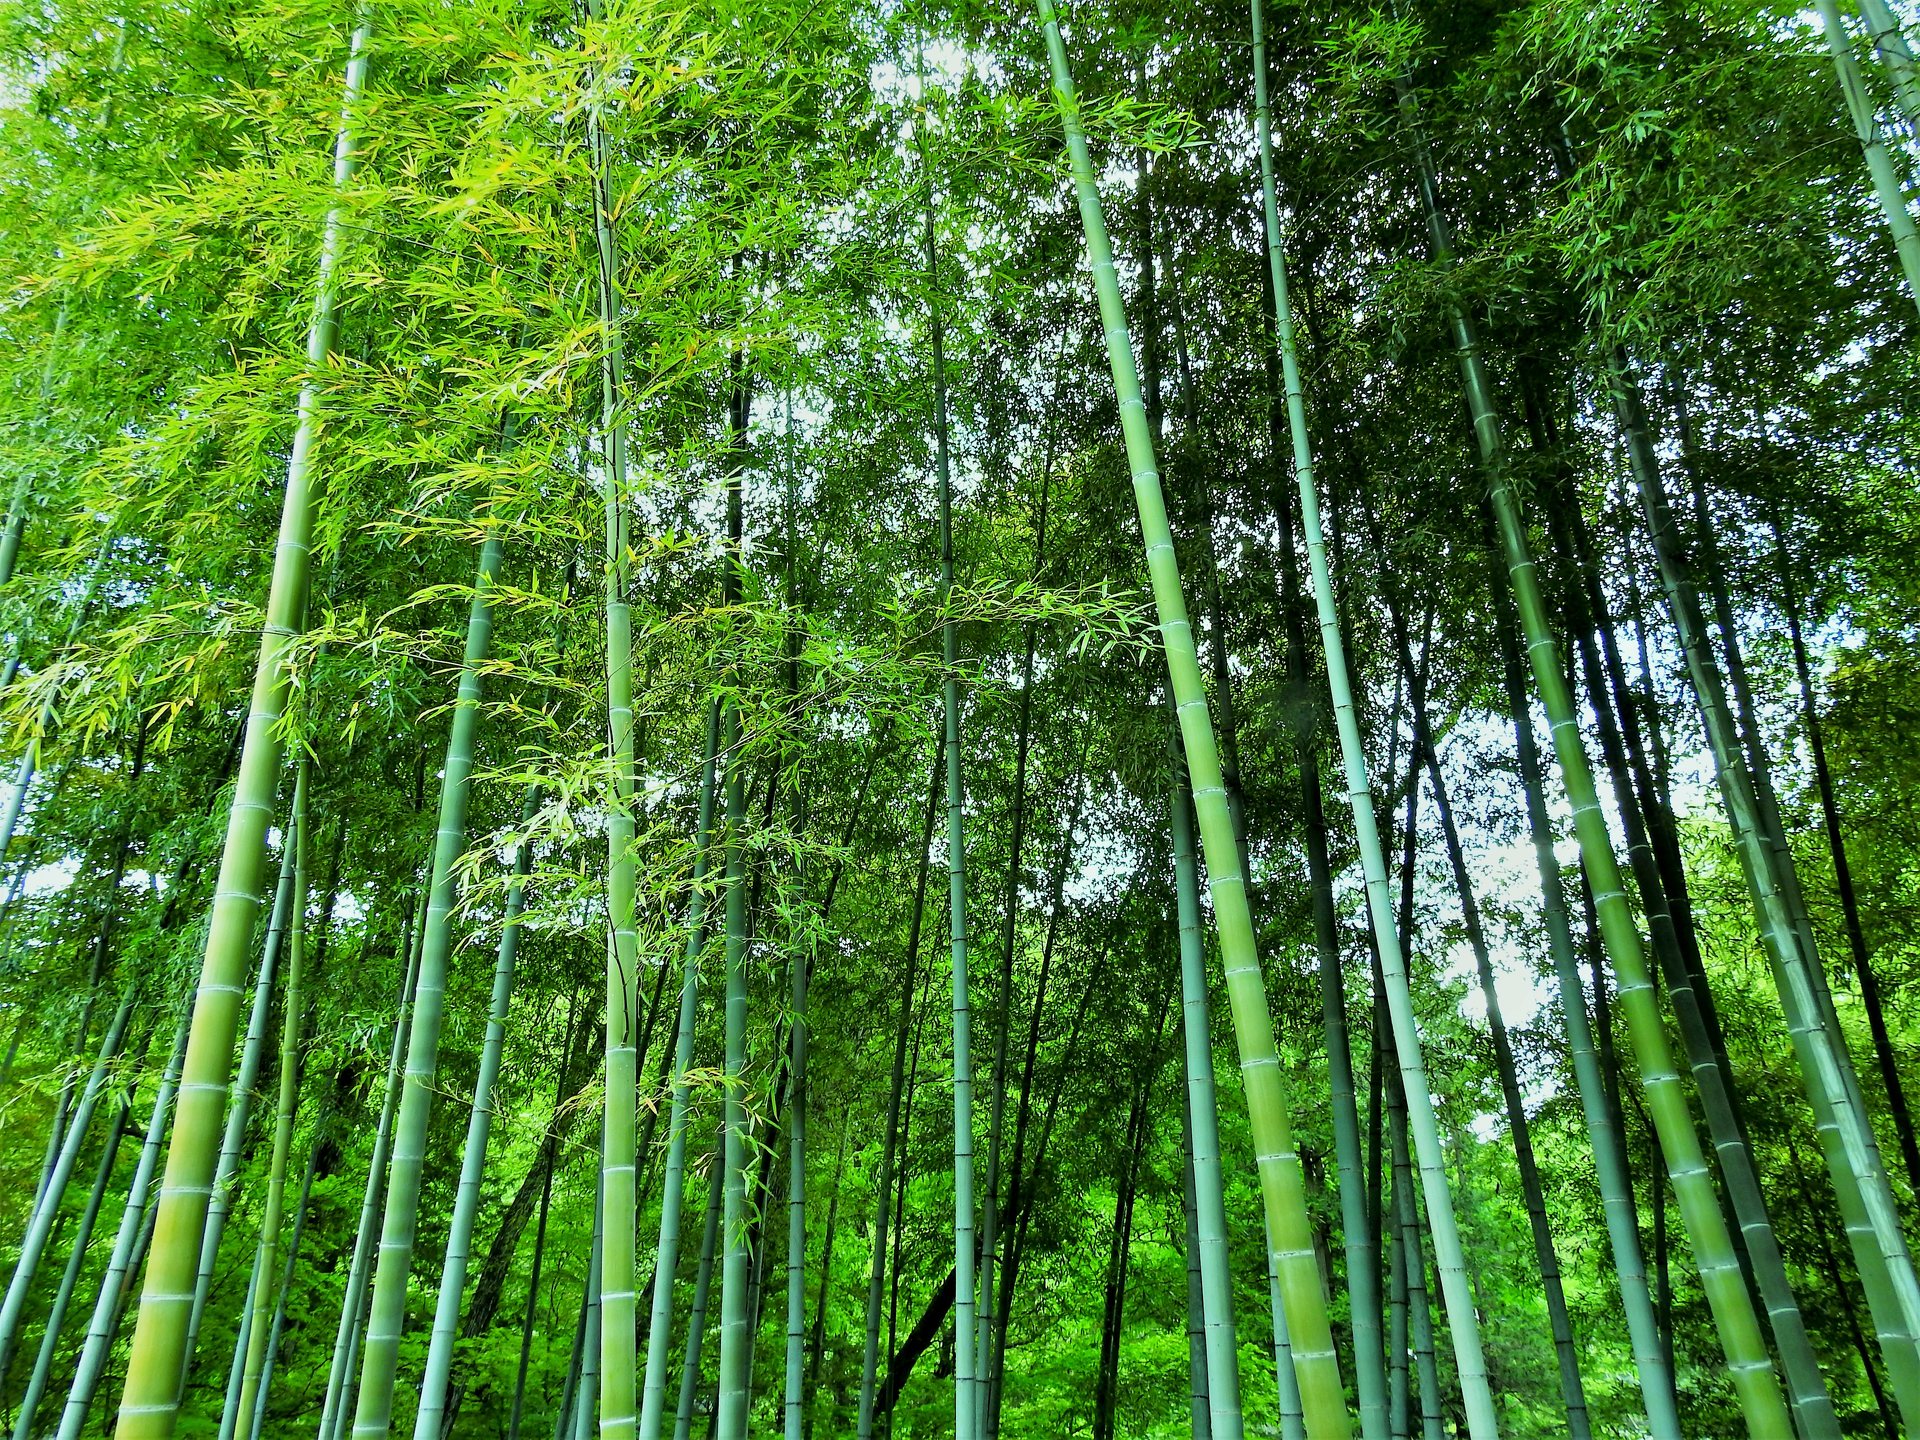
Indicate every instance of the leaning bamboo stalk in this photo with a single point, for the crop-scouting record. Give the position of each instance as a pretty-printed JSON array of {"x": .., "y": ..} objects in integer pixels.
[
  {"x": 76, "y": 1258},
  {"x": 1616, "y": 1188},
  {"x": 1887, "y": 188},
  {"x": 239, "y": 1106},
  {"x": 1624, "y": 750},
  {"x": 256, "y": 1418},
  {"x": 100, "y": 1332},
  {"x": 1847, "y": 1140},
  {"x": 473, "y": 1154},
  {"x": 1898, "y": 1110},
  {"x": 1449, "y": 1255},
  {"x": 1357, "y": 1220},
  {"x": 1533, "y": 1198},
  {"x": 33, "y": 1244},
  {"x": 346, "y": 1341},
  {"x": 1222, "y": 1353},
  {"x": 702, "y": 1290},
  {"x": 966, "y": 1399},
  {"x": 618, "y": 1408},
  {"x": 373, "y": 1409},
  {"x": 673, "y": 1187},
  {"x": 292, "y": 1006},
  {"x": 1890, "y": 41},
  {"x": 1282, "y": 1184},
  {"x": 1750, "y": 1368},
  {"x": 149, "y": 1401}
]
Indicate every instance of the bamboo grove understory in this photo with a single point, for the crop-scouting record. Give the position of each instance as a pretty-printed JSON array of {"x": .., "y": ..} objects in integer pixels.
[{"x": 829, "y": 719}]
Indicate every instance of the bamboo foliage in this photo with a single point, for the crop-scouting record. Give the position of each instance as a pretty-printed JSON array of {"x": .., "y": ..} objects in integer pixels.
[{"x": 570, "y": 265}]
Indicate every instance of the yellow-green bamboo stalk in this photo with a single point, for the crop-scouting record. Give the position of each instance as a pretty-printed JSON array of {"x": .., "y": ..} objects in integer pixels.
[
  {"x": 1283, "y": 1191},
  {"x": 150, "y": 1399}
]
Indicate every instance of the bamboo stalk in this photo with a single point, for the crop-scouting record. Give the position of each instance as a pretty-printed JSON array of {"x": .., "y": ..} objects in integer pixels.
[
  {"x": 473, "y": 1154},
  {"x": 149, "y": 1402},
  {"x": 1283, "y": 1187}
]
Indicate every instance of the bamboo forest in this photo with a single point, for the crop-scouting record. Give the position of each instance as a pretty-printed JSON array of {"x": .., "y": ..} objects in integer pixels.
[{"x": 976, "y": 718}]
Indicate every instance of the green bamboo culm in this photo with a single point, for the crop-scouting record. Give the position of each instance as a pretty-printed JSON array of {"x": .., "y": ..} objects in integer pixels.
[
  {"x": 240, "y": 1105},
  {"x": 965, "y": 1392},
  {"x": 373, "y": 1407},
  {"x": 617, "y": 1399},
  {"x": 731, "y": 1176},
  {"x": 346, "y": 1340},
  {"x": 653, "y": 1396},
  {"x": 1896, "y": 55},
  {"x": 21, "y": 500},
  {"x": 293, "y": 1001},
  {"x": 106, "y": 1310},
  {"x": 33, "y": 1244},
  {"x": 1282, "y": 1184},
  {"x": 1859, "y": 1178},
  {"x": 1220, "y": 1372},
  {"x": 1887, "y": 188},
  {"x": 81, "y": 1240},
  {"x": 1748, "y": 1364},
  {"x": 736, "y": 1335},
  {"x": 428, "y": 1418},
  {"x": 1449, "y": 1255},
  {"x": 1616, "y": 1186},
  {"x": 150, "y": 1398}
]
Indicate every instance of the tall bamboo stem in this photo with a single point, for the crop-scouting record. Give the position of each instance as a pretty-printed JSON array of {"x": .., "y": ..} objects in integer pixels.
[
  {"x": 1283, "y": 1188},
  {"x": 150, "y": 1399}
]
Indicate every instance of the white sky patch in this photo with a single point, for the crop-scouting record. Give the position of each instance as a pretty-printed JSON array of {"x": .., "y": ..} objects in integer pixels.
[{"x": 44, "y": 880}]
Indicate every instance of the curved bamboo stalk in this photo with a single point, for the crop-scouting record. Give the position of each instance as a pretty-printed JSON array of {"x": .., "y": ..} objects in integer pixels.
[
  {"x": 1282, "y": 1185},
  {"x": 150, "y": 1399}
]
